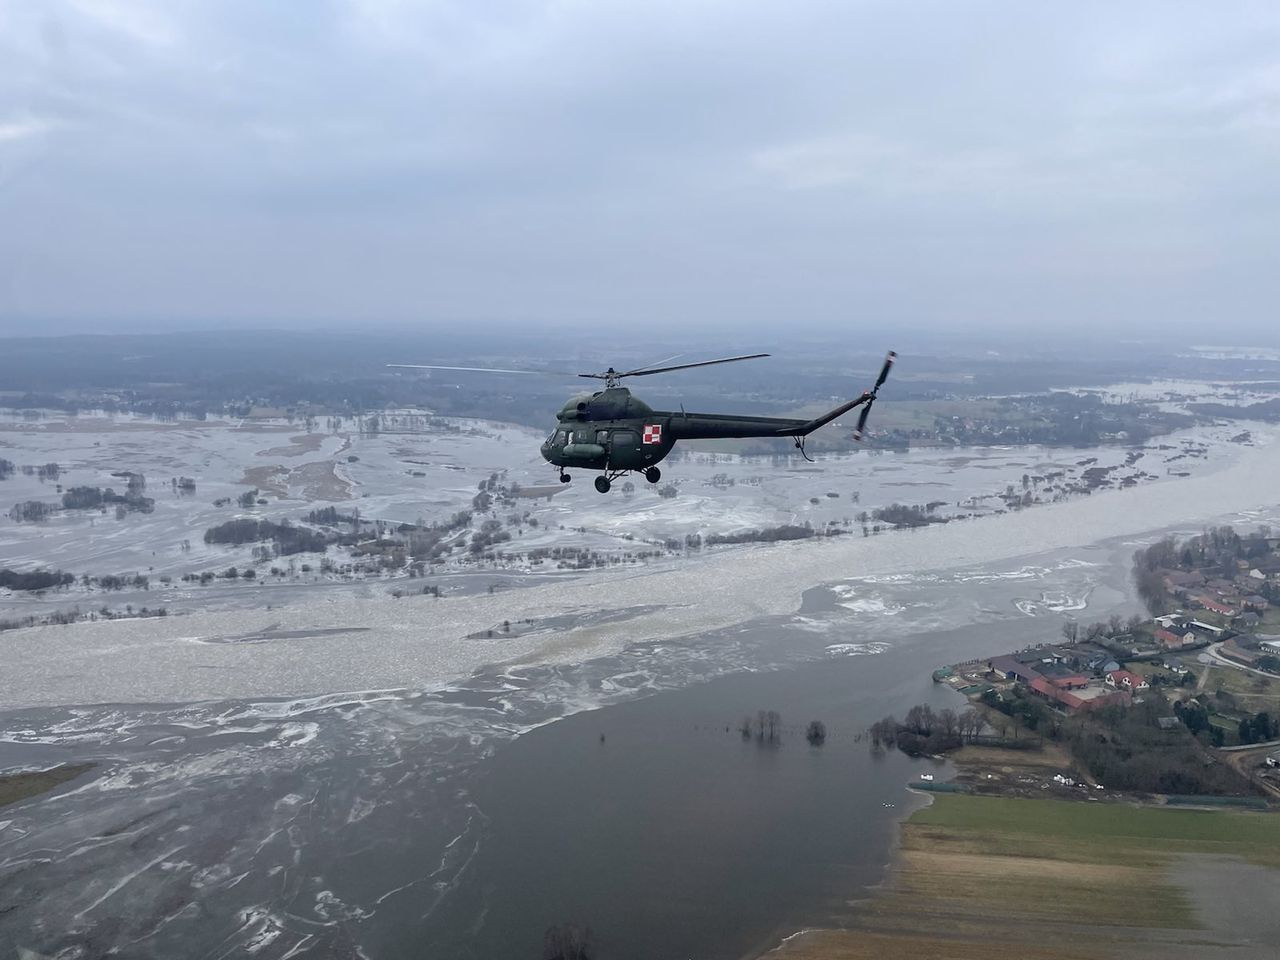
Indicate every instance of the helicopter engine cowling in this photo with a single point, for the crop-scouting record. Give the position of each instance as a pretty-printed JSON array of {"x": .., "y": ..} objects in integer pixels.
[{"x": 587, "y": 454}]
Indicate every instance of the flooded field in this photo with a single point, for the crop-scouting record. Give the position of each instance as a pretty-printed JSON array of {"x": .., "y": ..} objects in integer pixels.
[{"x": 425, "y": 471}]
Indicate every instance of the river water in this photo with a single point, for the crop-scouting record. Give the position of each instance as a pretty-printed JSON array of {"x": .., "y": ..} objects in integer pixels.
[{"x": 460, "y": 821}]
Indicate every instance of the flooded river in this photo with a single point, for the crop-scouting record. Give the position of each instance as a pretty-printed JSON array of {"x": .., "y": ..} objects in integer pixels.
[{"x": 454, "y": 819}]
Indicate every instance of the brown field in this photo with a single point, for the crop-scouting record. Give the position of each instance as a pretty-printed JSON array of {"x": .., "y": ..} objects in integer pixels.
[
  {"x": 991, "y": 877},
  {"x": 320, "y": 482},
  {"x": 318, "y": 479},
  {"x": 273, "y": 479},
  {"x": 1017, "y": 773},
  {"x": 298, "y": 446}
]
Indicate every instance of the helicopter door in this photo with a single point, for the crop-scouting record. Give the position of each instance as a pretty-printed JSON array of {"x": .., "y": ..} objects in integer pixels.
[{"x": 622, "y": 452}]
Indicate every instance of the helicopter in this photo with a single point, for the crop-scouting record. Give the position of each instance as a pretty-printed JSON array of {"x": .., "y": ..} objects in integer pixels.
[{"x": 616, "y": 433}]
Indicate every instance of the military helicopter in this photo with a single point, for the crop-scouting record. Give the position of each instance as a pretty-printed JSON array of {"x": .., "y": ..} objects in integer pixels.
[{"x": 616, "y": 433}]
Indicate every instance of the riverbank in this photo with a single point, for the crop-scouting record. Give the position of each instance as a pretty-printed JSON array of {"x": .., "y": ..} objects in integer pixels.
[{"x": 995, "y": 877}]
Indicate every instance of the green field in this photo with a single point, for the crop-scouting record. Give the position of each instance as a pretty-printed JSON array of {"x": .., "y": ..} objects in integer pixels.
[
  {"x": 1105, "y": 832},
  {"x": 996, "y": 878}
]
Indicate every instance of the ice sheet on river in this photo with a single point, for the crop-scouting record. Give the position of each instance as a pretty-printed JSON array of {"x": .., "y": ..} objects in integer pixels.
[{"x": 421, "y": 642}]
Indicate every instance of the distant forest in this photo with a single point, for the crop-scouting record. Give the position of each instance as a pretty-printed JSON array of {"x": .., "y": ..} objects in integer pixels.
[{"x": 195, "y": 375}]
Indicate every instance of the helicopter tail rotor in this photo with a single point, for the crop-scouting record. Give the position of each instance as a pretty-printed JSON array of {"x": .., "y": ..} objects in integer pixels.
[{"x": 871, "y": 394}]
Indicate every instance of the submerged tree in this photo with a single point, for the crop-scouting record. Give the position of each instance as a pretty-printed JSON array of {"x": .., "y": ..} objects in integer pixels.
[
  {"x": 884, "y": 732},
  {"x": 567, "y": 941},
  {"x": 816, "y": 733}
]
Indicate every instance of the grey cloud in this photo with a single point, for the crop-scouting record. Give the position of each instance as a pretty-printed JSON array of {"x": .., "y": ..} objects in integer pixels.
[{"x": 361, "y": 160}]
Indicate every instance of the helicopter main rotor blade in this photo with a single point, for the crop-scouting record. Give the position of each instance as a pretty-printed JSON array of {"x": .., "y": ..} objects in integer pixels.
[
  {"x": 435, "y": 366},
  {"x": 646, "y": 366},
  {"x": 678, "y": 366}
]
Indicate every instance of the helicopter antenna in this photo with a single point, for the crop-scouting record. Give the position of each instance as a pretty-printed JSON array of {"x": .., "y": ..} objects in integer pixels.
[{"x": 612, "y": 376}]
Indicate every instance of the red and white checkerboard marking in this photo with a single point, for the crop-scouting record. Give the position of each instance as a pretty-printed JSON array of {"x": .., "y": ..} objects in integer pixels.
[{"x": 653, "y": 433}]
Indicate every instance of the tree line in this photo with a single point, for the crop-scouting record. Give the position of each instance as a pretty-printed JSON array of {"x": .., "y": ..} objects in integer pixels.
[
  {"x": 35, "y": 579},
  {"x": 924, "y": 730},
  {"x": 285, "y": 537}
]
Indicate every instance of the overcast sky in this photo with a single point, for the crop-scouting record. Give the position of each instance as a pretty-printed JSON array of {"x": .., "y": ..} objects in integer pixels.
[{"x": 950, "y": 164}]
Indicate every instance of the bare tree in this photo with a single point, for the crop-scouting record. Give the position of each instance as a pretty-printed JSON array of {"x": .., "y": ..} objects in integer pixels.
[
  {"x": 949, "y": 720},
  {"x": 920, "y": 719},
  {"x": 974, "y": 721},
  {"x": 1071, "y": 631},
  {"x": 884, "y": 731}
]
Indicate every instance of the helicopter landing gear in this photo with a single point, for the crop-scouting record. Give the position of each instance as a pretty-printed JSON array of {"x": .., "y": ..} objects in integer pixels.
[
  {"x": 602, "y": 484},
  {"x": 564, "y": 477},
  {"x": 653, "y": 474}
]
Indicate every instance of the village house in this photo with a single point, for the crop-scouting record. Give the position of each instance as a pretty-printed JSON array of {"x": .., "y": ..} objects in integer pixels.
[
  {"x": 1176, "y": 641},
  {"x": 1242, "y": 649},
  {"x": 1023, "y": 667},
  {"x": 1102, "y": 663},
  {"x": 1213, "y": 606},
  {"x": 1069, "y": 681},
  {"x": 1127, "y": 681},
  {"x": 1089, "y": 697},
  {"x": 1206, "y": 630},
  {"x": 1247, "y": 620}
]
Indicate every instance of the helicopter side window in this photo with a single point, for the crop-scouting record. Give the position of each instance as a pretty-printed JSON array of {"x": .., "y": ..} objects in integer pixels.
[{"x": 602, "y": 437}]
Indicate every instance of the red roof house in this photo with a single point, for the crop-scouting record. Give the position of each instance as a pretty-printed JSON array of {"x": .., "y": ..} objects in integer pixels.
[
  {"x": 1172, "y": 641},
  {"x": 1125, "y": 680},
  {"x": 1215, "y": 607}
]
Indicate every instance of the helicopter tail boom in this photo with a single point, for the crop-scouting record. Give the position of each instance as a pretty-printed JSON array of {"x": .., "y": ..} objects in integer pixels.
[
  {"x": 827, "y": 417},
  {"x": 706, "y": 426}
]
